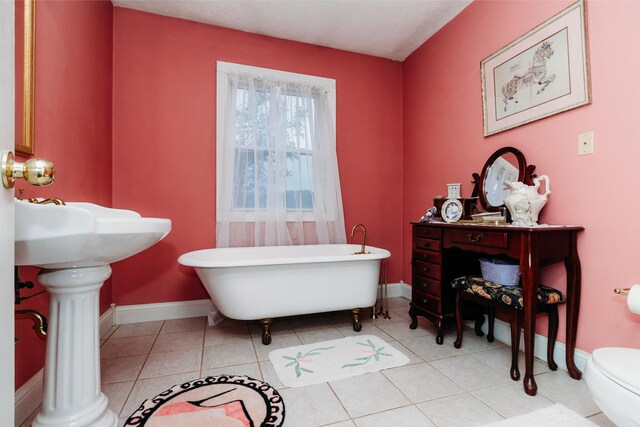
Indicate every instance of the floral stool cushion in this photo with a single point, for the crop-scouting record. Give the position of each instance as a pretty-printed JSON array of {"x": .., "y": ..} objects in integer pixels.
[{"x": 509, "y": 295}]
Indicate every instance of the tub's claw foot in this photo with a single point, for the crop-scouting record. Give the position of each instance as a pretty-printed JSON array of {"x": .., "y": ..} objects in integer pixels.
[
  {"x": 266, "y": 331},
  {"x": 355, "y": 314}
]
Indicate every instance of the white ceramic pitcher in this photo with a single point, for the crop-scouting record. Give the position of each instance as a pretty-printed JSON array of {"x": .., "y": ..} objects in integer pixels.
[{"x": 525, "y": 202}]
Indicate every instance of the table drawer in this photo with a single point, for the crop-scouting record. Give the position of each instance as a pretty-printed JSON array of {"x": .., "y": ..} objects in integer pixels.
[
  {"x": 434, "y": 257},
  {"x": 427, "y": 269},
  {"x": 428, "y": 286},
  {"x": 427, "y": 244},
  {"x": 496, "y": 239},
  {"x": 428, "y": 232},
  {"x": 427, "y": 302}
]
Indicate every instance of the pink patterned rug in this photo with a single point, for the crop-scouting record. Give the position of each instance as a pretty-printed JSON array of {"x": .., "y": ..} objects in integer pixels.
[{"x": 222, "y": 401}]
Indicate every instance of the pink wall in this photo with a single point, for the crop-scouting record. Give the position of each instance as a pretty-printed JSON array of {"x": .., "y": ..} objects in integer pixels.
[
  {"x": 73, "y": 74},
  {"x": 164, "y": 99},
  {"x": 443, "y": 142}
]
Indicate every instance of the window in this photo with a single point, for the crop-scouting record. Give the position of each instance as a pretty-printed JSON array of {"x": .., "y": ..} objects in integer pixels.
[
  {"x": 255, "y": 157},
  {"x": 276, "y": 159}
]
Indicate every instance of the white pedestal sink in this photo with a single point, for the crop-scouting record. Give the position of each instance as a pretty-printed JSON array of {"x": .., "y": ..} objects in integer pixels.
[{"x": 75, "y": 245}]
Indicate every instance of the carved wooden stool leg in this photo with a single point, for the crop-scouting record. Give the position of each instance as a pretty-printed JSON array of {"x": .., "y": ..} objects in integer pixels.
[
  {"x": 552, "y": 310},
  {"x": 492, "y": 319},
  {"x": 515, "y": 322},
  {"x": 458, "y": 341},
  {"x": 479, "y": 322},
  {"x": 266, "y": 330},
  {"x": 355, "y": 315}
]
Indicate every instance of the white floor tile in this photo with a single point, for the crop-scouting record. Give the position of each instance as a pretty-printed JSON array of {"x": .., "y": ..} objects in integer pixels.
[
  {"x": 413, "y": 358},
  {"x": 279, "y": 327},
  {"x": 399, "y": 303},
  {"x": 172, "y": 362},
  {"x": 460, "y": 410},
  {"x": 408, "y": 416},
  {"x": 184, "y": 325},
  {"x": 472, "y": 342},
  {"x": 561, "y": 388},
  {"x": 427, "y": 348},
  {"x": 227, "y": 332},
  {"x": 399, "y": 329},
  {"x": 368, "y": 394},
  {"x": 509, "y": 399},
  {"x": 421, "y": 382},
  {"x": 138, "y": 329},
  {"x": 601, "y": 420},
  {"x": 500, "y": 358},
  {"x": 131, "y": 346},
  {"x": 319, "y": 335},
  {"x": 117, "y": 393},
  {"x": 400, "y": 313},
  {"x": 367, "y": 329},
  {"x": 270, "y": 376},
  {"x": 312, "y": 406},
  {"x": 235, "y": 353},
  {"x": 277, "y": 342},
  {"x": 469, "y": 372},
  {"x": 347, "y": 423},
  {"x": 175, "y": 341},
  {"x": 119, "y": 369}
]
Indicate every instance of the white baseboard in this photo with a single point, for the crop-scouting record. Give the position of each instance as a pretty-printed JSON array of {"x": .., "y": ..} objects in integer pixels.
[
  {"x": 162, "y": 311},
  {"x": 28, "y": 397},
  {"x": 502, "y": 332},
  {"x": 107, "y": 320}
]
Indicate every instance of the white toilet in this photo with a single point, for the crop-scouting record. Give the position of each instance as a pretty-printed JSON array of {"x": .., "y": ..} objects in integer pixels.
[{"x": 612, "y": 375}]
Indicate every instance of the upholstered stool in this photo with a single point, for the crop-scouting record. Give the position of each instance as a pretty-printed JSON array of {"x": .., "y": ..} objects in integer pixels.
[{"x": 493, "y": 295}]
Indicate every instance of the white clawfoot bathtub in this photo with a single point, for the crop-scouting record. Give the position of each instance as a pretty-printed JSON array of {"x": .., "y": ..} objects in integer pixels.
[{"x": 276, "y": 281}]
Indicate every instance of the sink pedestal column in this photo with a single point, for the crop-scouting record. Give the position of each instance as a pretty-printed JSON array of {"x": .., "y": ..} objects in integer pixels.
[{"x": 72, "y": 395}]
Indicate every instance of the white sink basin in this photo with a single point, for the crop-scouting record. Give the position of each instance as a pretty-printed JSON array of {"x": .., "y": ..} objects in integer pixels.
[{"x": 81, "y": 234}]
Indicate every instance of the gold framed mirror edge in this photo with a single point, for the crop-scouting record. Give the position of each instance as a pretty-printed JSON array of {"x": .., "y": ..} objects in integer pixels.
[{"x": 27, "y": 145}]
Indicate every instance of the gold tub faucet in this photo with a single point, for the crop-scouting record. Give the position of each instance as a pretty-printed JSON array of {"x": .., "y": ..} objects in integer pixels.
[{"x": 364, "y": 237}]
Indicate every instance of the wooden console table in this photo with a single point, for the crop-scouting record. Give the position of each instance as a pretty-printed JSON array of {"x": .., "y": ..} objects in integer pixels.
[{"x": 442, "y": 252}]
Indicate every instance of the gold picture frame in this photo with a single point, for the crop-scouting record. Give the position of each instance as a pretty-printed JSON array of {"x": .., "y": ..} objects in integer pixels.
[
  {"x": 25, "y": 143},
  {"x": 542, "y": 73}
]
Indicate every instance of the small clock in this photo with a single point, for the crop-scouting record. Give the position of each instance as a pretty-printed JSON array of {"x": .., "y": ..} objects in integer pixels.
[
  {"x": 452, "y": 210},
  {"x": 453, "y": 191}
]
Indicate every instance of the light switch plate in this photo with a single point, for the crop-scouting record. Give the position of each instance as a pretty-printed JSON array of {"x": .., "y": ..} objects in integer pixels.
[{"x": 585, "y": 143}]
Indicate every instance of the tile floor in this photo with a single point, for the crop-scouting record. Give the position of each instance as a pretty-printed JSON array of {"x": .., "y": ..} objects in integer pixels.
[{"x": 441, "y": 386}]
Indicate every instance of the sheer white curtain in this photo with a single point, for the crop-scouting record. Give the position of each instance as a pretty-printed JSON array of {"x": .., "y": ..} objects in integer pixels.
[{"x": 277, "y": 168}]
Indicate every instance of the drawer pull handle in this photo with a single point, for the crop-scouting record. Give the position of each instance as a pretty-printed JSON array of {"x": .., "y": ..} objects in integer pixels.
[
  {"x": 424, "y": 301},
  {"x": 425, "y": 270},
  {"x": 475, "y": 239},
  {"x": 425, "y": 256}
]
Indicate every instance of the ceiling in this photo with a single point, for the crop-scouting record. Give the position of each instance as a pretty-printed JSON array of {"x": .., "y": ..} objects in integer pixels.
[{"x": 387, "y": 28}]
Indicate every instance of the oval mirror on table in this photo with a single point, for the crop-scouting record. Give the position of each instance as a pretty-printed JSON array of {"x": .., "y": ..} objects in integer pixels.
[{"x": 506, "y": 164}]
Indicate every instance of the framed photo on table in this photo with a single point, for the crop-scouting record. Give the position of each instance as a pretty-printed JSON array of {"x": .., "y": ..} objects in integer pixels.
[{"x": 542, "y": 73}]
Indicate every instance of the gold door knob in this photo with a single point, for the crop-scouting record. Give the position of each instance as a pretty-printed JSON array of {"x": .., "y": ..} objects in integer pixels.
[{"x": 38, "y": 172}]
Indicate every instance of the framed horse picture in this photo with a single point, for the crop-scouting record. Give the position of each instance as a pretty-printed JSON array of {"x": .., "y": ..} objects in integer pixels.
[{"x": 542, "y": 73}]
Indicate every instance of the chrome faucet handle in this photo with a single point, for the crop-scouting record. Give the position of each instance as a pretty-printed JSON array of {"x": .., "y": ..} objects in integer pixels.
[{"x": 35, "y": 171}]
